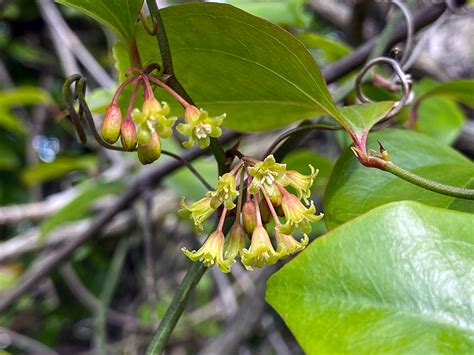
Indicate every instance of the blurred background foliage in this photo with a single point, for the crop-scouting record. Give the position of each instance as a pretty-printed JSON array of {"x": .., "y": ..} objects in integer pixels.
[{"x": 51, "y": 186}]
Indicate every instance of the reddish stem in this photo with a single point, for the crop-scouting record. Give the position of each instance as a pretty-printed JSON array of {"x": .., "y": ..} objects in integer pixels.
[
  {"x": 222, "y": 220},
  {"x": 270, "y": 206},
  {"x": 120, "y": 89},
  {"x": 158, "y": 82},
  {"x": 132, "y": 100},
  {"x": 257, "y": 210}
]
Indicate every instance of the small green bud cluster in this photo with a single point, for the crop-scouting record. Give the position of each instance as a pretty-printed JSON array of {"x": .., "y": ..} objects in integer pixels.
[
  {"x": 264, "y": 183},
  {"x": 142, "y": 129}
]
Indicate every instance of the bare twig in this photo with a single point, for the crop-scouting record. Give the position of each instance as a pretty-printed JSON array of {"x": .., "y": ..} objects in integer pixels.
[
  {"x": 149, "y": 176},
  {"x": 9, "y": 337},
  {"x": 92, "y": 303},
  {"x": 69, "y": 39}
]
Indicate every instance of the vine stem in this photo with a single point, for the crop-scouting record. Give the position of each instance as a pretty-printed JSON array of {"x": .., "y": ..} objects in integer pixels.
[
  {"x": 428, "y": 184},
  {"x": 176, "y": 308},
  {"x": 288, "y": 133},
  {"x": 173, "y": 82}
]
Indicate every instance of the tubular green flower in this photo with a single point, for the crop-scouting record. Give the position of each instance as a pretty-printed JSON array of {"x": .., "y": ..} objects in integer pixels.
[
  {"x": 198, "y": 126},
  {"x": 211, "y": 252},
  {"x": 301, "y": 183},
  {"x": 265, "y": 173},
  {"x": 198, "y": 211},
  {"x": 225, "y": 192},
  {"x": 261, "y": 251},
  {"x": 287, "y": 245},
  {"x": 153, "y": 115},
  {"x": 296, "y": 214},
  {"x": 235, "y": 242}
]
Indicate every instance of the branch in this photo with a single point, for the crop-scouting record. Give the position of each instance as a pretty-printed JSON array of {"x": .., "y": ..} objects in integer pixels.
[
  {"x": 421, "y": 19},
  {"x": 153, "y": 175},
  {"x": 176, "y": 308}
]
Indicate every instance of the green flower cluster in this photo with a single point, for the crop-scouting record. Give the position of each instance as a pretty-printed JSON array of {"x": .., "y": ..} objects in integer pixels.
[
  {"x": 267, "y": 198},
  {"x": 143, "y": 129}
]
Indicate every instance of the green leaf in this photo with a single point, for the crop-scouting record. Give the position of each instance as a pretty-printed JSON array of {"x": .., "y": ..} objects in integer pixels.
[
  {"x": 230, "y": 61},
  {"x": 61, "y": 166},
  {"x": 79, "y": 206},
  {"x": 9, "y": 159},
  {"x": 359, "y": 119},
  {"x": 458, "y": 90},
  {"x": 354, "y": 189},
  {"x": 331, "y": 49},
  {"x": 11, "y": 122},
  {"x": 119, "y": 16},
  {"x": 18, "y": 97},
  {"x": 24, "y": 96},
  {"x": 281, "y": 12},
  {"x": 397, "y": 280},
  {"x": 440, "y": 118}
]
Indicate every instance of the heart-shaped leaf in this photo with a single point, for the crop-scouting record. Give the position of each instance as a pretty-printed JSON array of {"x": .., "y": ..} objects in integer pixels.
[
  {"x": 354, "y": 189},
  {"x": 395, "y": 280}
]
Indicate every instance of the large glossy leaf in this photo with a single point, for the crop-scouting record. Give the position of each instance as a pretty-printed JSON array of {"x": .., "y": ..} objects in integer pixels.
[
  {"x": 440, "y": 118},
  {"x": 458, "y": 90},
  {"x": 118, "y": 15},
  {"x": 396, "y": 280},
  {"x": 354, "y": 189},
  {"x": 230, "y": 61}
]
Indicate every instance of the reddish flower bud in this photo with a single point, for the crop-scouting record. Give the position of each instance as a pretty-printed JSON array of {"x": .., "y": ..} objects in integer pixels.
[
  {"x": 111, "y": 124},
  {"x": 128, "y": 135},
  {"x": 265, "y": 211},
  {"x": 151, "y": 151},
  {"x": 249, "y": 217}
]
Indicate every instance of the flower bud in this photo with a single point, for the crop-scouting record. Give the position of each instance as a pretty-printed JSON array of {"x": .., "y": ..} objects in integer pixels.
[
  {"x": 249, "y": 217},
  {"x": 265, "y": 211},
  {"x": 111, "y": 124},
  {"x": 151, "y": 106},
  {"x": 235, "y": 243},
  {"x": 192, "y": 113},
  {"x": 151, "y": 151},
  {"x": 128, "y": 135}
]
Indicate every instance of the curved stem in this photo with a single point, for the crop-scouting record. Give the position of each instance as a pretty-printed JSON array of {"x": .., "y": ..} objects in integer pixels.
[
  {"x": 271, "y": 208},
  {"x": 69, "y": 102},
  {"x": 132, "y": 100},
  {"x": 151, "y": 31},
  {"x": 80, "y": 92},
  {"x": 429, "y": 184},
  {"x": 190, "y": 167},
  {"x": 178, "y": 97},
  {"x": 176, "y": 308},
  {"x": 288, "y": 133}
]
